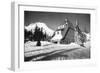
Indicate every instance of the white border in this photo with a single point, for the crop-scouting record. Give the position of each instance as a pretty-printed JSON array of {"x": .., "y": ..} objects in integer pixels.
[{"x": 18, "y": 35}]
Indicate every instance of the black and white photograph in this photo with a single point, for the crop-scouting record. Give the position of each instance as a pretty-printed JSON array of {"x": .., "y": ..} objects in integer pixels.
[{"x": 56, "y": 36}]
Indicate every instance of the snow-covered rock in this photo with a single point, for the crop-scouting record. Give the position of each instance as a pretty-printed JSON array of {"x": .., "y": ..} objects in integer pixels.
[{"x": 40, "y": 25}]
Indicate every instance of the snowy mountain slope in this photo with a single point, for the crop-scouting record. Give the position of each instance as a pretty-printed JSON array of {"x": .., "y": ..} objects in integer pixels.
[{"x": 40, "y": 25}]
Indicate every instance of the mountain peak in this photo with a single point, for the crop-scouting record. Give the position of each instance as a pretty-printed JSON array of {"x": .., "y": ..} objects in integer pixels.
[{"x": 40, "y": 25}]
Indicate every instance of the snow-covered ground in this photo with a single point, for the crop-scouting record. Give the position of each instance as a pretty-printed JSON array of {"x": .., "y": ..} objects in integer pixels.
[
  {"x": 39, "y": 52},
  {"x": 31, "y": 46}
]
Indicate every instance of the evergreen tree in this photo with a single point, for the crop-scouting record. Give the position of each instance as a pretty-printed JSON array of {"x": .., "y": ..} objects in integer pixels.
[
  {"x": 28, "y": 35},
  {"x": 38, "y": 35}
]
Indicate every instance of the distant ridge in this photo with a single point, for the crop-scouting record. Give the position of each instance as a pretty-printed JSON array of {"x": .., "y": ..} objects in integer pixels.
[{"x": 40, "y": 25}]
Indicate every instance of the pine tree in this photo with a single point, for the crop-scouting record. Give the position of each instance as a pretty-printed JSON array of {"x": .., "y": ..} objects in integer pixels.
[
  {"x": 38, "y": 35},
  {"x": 28, "y": 35}
]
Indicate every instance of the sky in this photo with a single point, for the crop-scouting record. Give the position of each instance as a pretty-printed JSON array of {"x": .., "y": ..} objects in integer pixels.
[{"x": 54, "y": 19}]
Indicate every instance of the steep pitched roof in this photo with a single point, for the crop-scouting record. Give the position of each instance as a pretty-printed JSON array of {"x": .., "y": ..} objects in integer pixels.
[{"x": 69, "y": 26}]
